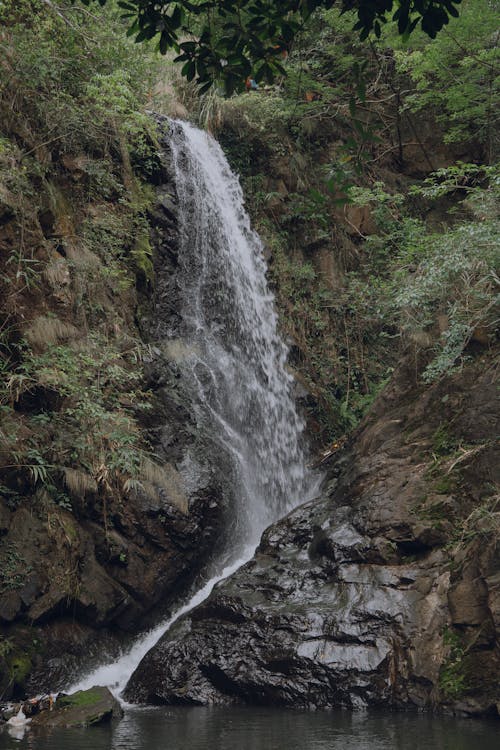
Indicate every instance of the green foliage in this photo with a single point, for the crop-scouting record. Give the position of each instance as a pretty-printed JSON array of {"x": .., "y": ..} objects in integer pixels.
[
  {"x": 482, "y": 522},
  {"x": 442, "y": 442},
  {"x": 72, "y": 81},
  {"x": 461, "y": 178},
  {"x": 229, "y": 40},
  {"x": 13, "y": 569},
  {"x": 73, "y": 92},
  {"x": 332, "y": 372},
  {"x": 310, "y": 208},
  {"x": 457, "y": 75},
  {"x": 452, "y": 676},
  {"x": 142, "y": 253},
  {"x": 80, "y": 699},
  {"x": 423, "y": 275},
  {"x": 277, "y": 139},
  {"x": 321, "y": 139},
  {"x": 74, "y": 144},
  {"x": 100, "y": 385}
]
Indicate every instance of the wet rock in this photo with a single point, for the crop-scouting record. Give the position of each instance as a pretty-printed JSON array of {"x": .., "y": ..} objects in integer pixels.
[
  {"x": 363, "y": 596},
  {"x": 7, "y": 711},
  {"x": 95, "y": 575},
  {"x": 86, "y": 708},
  {"x": 10, "y": 606},
  {"x": 306, "y": 623},
  {"x": 4, "y": 519}
]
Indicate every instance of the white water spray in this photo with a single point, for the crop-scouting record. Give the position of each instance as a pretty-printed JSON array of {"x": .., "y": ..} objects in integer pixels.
[
  {"x": 234, "y": 363},
  {"x": 237, "y": 361},
  {"x": 116, "y": 674}
]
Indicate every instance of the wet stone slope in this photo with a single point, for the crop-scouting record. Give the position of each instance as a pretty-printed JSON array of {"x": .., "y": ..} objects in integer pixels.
[{"x": 382, "y": 591}]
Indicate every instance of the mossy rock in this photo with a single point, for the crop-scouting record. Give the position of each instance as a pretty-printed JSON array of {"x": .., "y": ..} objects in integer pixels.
[
  {"x": 86, "y": 708},
  {"x": 20, "y": 650},
  {"x": 19, "y": 667},
  {"x": 142, "y": 254}
]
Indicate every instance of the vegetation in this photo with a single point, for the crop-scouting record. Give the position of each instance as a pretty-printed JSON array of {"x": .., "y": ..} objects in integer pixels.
[
  {"x": 370, "y": 168},
  {"x": 229, "y": 40},
  {"x": 76, "y": 150},
  {"x": 13, "y": 570},
  {"x": 359, "y": 275},
  {"x": 381, "y": 244},
  {"x": 442, "y": 284},
  {"x": 452, "y": 677},
  {"x": 458, "y": 77}
]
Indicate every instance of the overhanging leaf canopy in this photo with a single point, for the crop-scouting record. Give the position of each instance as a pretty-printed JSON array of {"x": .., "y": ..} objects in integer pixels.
[{"x": 229, "y": 40}]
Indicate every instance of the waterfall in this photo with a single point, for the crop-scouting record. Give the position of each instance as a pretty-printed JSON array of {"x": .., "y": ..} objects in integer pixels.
[
  {"x": 233, "y": 362},
  {"x": 237, "y": 361}
]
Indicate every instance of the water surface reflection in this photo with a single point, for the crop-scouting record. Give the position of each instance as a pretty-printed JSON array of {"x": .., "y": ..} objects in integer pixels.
[{"x": 266, "y": 729}]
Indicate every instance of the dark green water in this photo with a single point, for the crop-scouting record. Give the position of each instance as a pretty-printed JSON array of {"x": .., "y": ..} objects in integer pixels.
[{"x": 267, "y": 729}]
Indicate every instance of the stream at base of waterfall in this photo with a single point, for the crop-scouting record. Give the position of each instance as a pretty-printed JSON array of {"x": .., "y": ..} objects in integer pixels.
[{"x": 259, "y": 728}]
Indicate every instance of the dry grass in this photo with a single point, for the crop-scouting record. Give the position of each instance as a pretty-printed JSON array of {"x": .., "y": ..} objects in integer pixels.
[
  {"x": 483, "y": 522},
  {"x": 155, "y": 478},
  {"x": 464, "y": 455},
  {"x": 45, "y": 331},
  {"x": 57, "y": 272},
  {"x": 79, "y": 483},
  {"x": 168, "y": 479}
]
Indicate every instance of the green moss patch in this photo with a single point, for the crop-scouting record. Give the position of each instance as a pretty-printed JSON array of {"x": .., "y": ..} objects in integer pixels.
[{"x": 81, "y": 698}]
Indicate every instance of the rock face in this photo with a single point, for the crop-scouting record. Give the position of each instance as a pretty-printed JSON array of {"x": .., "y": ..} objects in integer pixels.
[
  {"x": 385, "y": 590},
  {"x": 75, "y": 584}
]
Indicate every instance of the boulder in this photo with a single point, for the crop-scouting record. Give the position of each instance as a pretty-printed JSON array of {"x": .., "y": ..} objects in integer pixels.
[
  {"x": 317, "y": 619},
  {"x": 379, "y": 592},
  {"x": 86, "y": 708}
]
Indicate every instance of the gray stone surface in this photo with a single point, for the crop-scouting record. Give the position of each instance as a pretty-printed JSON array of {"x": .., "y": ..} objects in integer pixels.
[{"x": 367, "y": 595}]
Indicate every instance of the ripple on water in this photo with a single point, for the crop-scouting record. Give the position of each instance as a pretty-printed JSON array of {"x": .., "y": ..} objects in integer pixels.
[{"x": 266, "y": 729}]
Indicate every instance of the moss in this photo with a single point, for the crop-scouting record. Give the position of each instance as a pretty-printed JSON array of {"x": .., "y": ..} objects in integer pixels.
[
  {"x": 70, "y": 530},
  {"x": 452, "y": 681},
  {"x": 80, "y": 699},
  {"x": 82, "y": 709},
  {"x": 444, "y": 485},
  {"x": 453, "y": 674},
  {"x": 19, "y": 667},
  {"x": 437, "y": 511},
  {"x": 20, "y": 649},
  {"x": 442, "y": 442},
  {"x": 142, "y": 254}
]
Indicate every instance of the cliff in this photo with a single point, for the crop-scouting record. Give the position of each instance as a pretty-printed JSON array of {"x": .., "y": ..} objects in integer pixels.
[
  {"x": 112, "y": 497},
  {"x": 383, "y": 591},
  {"x": 98, "y": 526}
]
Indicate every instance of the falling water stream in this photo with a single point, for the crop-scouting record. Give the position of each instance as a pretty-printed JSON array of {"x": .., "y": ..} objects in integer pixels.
[{"x": 234, "y": 364}]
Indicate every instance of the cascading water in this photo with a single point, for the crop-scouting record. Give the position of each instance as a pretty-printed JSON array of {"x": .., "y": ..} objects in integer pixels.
[
  {"x": 234, "y": 363},
  {"x": 238, "y": 362}
]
